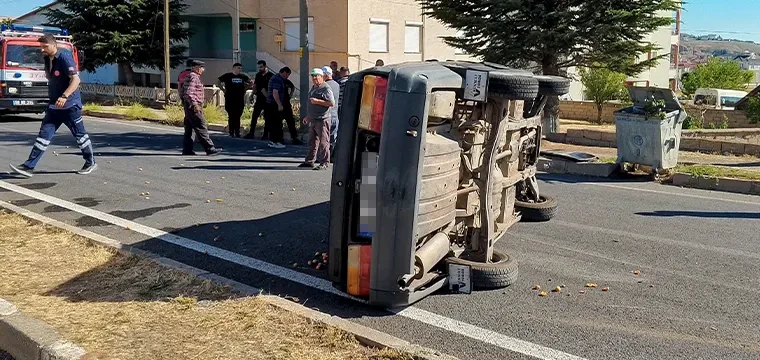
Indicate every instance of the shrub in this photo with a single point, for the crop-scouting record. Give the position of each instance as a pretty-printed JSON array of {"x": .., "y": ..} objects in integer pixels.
[
  {"x": 175, "y": 114},
  {"x": 138, "y": 111},
  {"x": 753, "y": 109},
  {"x": 92, "y": 107},
  {"x": 214, "y": 114}
]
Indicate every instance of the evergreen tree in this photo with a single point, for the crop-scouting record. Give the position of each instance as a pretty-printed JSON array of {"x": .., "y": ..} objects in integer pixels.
[
  {"x": 127, "y": 33},
  {"x": 553, "y": 35}
]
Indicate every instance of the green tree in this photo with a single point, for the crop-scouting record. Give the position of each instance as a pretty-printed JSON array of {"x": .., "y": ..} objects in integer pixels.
[
  {"x": 6, "y": 21},
  {"x": 602, "y": 85},
  {"x": 753, "y": 109},
  {"x": 717, "y": 74},
  {"x": 127, "y": 33},
  {"x": 554, "y": 35}
]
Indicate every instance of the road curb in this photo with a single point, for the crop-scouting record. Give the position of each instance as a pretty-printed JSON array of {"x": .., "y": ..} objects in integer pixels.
[
  {"x": 560, "y": 166},
  {"x": 365, "y": 335},
  {"x": 26, "y": 338},
  {"x": 105, "y": 115},
  {"x": 737, "y": 186}
]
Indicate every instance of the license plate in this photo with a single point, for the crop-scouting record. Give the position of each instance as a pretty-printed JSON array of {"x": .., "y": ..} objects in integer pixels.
[{"x": 23, "y": 102}]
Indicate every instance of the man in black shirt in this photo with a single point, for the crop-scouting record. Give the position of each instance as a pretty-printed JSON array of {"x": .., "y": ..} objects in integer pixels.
[
  {"x": 234, "y": 85},
  {"x": 288, "y": 114},
  {"x": 260, "y": 87}
]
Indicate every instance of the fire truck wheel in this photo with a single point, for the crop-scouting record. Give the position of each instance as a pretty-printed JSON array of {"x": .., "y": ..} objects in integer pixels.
[
  {"x": 553, "y": 85},
  {"x": 511, "y": 86},
  {"x": 500, "y": 272},
  {"x": 543, "y": 210}
]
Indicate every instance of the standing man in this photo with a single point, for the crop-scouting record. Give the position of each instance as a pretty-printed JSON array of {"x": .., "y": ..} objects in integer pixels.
[
  {"x": 288, "y": 114},
  {"x": 260, "y": 84},
  {"x": 342, "y": 80},
  {"x": 65, "y": 108},
  {"x": 379, "y": 62},
  {"x": 321, "y": 99},
  {"x": 334, "y": 67},
  {"x": 193, "y": 98},
  {"x": 234, "y": 85},
  {"x": 334, "y": 121},
  {"x": 273, "y": 113}
]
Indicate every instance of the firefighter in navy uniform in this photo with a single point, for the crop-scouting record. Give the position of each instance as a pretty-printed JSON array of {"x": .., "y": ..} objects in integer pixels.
[{"x": 65, "y": 108}]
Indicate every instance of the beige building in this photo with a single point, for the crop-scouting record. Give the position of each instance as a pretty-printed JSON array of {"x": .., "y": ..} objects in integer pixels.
[
  {"x": 355, "y": 33},
  {"x": 664, "y": 75}
]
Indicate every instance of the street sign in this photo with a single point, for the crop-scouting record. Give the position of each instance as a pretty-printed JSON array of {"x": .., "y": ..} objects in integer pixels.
[
  {"x": 476, "y": 85},
  {"x": 460, "y": 280}
]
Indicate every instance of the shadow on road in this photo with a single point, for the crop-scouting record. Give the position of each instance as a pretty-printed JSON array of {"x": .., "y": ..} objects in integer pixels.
[
  {"x": 575, "y": 179},
  {"x": 702, "y": 214}
]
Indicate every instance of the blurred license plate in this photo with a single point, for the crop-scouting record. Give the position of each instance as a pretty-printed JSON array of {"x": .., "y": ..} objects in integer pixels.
[{"x": 23, "y": 102}]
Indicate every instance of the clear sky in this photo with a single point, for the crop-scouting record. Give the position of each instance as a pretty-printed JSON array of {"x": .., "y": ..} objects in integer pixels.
[{"x": 729, "y": 18}]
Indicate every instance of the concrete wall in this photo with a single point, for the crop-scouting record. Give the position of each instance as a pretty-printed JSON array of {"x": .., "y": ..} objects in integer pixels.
[{"x": 586, "y": 110}]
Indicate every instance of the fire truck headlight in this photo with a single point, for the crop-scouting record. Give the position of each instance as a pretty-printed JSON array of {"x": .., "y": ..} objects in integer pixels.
[{"x": 12, "y": 90}]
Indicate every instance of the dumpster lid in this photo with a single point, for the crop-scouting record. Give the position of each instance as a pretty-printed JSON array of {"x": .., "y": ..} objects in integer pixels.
[{"x": 641, "y": 95}]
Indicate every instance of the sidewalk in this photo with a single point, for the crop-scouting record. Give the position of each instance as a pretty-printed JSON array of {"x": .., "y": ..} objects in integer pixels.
[{"x": 125, "y": 307}]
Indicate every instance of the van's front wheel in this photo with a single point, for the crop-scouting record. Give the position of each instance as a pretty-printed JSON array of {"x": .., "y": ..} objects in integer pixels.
[{"x": 500, "y": 272}]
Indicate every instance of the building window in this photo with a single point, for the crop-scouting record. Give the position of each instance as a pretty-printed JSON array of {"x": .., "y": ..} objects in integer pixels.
[
  {"x": 247, "y": 26},
  {"x": 293, "y": 34},
  {"x": 413, "y": 37},
  {"x": 378, "y": 35}
]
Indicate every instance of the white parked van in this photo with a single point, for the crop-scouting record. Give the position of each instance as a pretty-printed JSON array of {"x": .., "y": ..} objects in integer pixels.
[{"x": 719, "y": 98}]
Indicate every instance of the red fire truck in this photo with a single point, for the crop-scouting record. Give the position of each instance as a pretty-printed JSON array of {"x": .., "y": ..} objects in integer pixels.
[{"x": 23, "y": 83}]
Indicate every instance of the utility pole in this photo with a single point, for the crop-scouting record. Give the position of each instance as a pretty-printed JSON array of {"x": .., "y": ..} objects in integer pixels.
[
  {"x": 237, "y": 56},
  {"x": 304, "y": 53},
  {"x": 167, "y": 63}
]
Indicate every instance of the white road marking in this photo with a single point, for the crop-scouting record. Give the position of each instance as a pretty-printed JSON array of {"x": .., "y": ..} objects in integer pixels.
[
  {"x": 674, "y": 193},
  {"x": 423, "y": 316},
  {"x": 484, "y": 335}
]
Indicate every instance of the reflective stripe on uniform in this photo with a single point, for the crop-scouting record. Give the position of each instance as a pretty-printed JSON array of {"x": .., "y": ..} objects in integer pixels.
[
  {"x": 86, "y": 144},
  {"x": 77, "y": 121},
  {"x": 40, "y": 146},
  {"x": 43, "y": 141},
  {"x": 82, "y": 139}
]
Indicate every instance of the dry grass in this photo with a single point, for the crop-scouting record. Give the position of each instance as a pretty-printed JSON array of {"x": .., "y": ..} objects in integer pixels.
[
  {"x": 125, "y": 307},
  {"x": 718, "y": 171}
]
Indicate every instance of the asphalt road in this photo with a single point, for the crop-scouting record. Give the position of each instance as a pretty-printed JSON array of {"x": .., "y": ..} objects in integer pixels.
[{"x": 697, "y": 296}]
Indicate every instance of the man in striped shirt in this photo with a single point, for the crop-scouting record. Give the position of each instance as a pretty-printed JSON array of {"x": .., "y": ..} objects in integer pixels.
[{"x": 193, "y": 98}]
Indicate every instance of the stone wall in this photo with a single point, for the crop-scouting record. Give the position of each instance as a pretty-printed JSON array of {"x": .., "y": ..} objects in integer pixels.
[
  {"x": 586, "y": 110},
  {"x": 694, "y": 140}
]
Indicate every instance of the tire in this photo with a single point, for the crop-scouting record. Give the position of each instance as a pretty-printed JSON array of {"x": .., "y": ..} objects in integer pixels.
[
  {"x": 511, "y": 86},
  {"x": 540, "y": 211},
  {"x": 553, "y": 85},
  {"x": 495, "y": 275},
  {"x": 503, "y": 82}
]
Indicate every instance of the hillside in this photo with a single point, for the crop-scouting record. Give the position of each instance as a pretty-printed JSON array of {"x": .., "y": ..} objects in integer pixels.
[{"x": 712, "y": 45}]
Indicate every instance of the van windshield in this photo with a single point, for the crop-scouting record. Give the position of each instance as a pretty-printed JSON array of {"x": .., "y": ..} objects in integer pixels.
[
  {"x": 25, "y": 56},
  {"x": 704, "y": 100},
  {"x": 729, "y": 101}
]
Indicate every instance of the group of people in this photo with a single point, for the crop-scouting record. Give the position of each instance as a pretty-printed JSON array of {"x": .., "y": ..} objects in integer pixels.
[{"x": 272, "y": 98}]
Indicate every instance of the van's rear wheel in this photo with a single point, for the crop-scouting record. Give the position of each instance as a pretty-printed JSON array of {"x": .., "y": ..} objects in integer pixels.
[
  {"x": 543, "y": 210},
  {"x": 500, "y": 272}
]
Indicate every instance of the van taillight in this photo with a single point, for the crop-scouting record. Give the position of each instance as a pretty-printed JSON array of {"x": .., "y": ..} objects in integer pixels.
[
  {"x": 359, "y": 261},
  {"x": 372, "y": 109}
]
